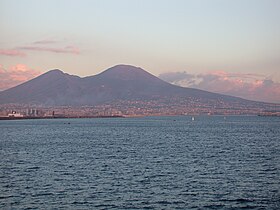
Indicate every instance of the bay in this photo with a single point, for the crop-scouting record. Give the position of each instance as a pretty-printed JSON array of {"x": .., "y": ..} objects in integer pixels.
[{"x": 211, "y": 162}]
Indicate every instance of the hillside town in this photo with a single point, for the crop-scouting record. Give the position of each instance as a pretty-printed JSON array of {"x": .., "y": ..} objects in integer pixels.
[{"x": 137, "y": 108}]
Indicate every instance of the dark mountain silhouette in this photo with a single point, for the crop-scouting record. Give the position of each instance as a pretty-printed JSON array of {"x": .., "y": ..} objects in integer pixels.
[{"x": 121, "y": 82}]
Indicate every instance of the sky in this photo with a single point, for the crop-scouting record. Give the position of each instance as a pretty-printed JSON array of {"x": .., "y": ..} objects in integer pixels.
[{"x": 207, "y": 44}]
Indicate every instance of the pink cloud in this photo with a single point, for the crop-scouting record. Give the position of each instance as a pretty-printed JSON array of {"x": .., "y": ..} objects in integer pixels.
[
  {"x": 16, "y": 75},
  {"x": 67, "y": 49},
  {"x": 249, "y": 86},
  {"x": 11, "y": 52}
]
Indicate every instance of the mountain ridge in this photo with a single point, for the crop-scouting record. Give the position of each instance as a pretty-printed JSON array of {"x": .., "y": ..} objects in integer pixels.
[{"x": 120, "y": 82}]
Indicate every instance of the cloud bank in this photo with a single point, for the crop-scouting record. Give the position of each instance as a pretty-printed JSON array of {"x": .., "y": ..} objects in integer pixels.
[
  {"x": 249, "y": 86},
  {"x": 16, "y": 75},
  {"x": 46, "y": 45},
  {"x": 67, "y": 49},
  {"x": 12, "y": 52}
]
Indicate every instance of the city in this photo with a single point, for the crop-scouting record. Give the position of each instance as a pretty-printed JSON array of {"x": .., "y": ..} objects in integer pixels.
[{"x": 138, "y": 108}]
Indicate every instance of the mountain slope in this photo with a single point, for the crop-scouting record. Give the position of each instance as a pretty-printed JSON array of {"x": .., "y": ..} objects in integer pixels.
[
  {"x": 121, "y": 82},
  {"x": 50, "y": 88}
]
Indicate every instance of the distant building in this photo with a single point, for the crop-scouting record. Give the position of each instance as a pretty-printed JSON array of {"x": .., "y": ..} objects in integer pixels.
[
  {"x": 32, "y": 112},
  {"x": 15, "y": 114}
]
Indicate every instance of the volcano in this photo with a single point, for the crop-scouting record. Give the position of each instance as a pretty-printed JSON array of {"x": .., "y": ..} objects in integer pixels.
[{"x": 121, "y": 82}]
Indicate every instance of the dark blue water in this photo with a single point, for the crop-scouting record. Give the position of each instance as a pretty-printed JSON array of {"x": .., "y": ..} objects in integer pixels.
[{"x": 141, "y": 163}]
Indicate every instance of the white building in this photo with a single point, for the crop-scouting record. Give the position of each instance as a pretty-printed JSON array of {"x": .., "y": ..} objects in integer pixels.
[{"x": 14, "y": 114}]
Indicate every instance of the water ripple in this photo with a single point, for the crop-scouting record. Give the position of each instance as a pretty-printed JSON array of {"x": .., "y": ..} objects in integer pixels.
[{"x": 143, "y": 163}]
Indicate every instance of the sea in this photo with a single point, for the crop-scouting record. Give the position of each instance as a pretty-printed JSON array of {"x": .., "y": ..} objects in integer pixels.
[{"x": 208, "y": 162}]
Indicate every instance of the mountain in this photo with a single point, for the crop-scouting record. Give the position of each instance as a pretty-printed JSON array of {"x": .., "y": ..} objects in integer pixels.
[
  {"x": 121, "y": 82},
  {"x": 53, "y": 87}
]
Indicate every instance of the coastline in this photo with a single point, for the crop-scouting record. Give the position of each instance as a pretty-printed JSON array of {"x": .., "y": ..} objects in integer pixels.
[
  {"x": 58, "y": 117},
  {"x": 117, "y": 116}
]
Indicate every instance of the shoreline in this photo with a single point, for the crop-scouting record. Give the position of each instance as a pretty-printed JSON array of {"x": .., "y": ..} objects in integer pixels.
[
  {"x": 125, "y": 116},
  {"x": 58, "y": 117}
]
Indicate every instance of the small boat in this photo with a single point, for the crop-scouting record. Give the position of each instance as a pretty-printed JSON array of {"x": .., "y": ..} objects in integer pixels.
[{"x": 192, "y": 118}]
